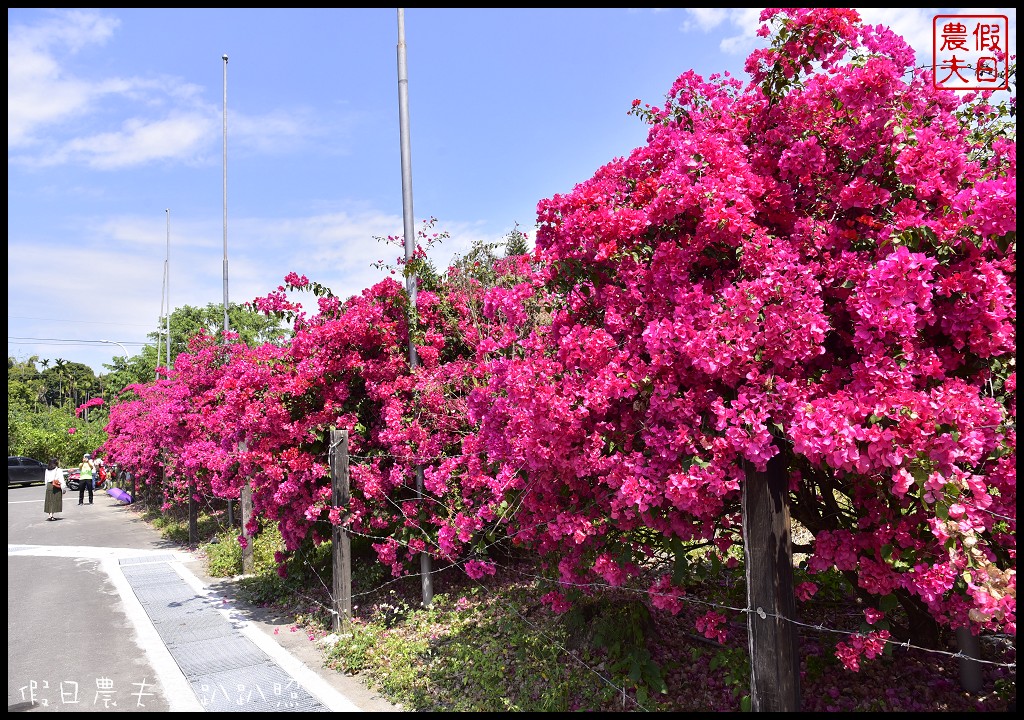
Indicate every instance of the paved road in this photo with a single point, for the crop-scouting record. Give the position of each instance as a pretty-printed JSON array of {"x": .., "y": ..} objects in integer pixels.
[{"x": 104, "y": 615}]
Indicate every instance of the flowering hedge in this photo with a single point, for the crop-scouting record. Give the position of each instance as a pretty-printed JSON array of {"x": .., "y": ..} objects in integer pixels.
[
  {"x": 820, "y": 265},
  {"x": 817, "y": 266}
]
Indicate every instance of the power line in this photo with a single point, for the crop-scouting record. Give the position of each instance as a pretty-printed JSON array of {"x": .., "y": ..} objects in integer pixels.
[
  {"x": 66, "y": 341},
  {"x": 77, "y": 322}
]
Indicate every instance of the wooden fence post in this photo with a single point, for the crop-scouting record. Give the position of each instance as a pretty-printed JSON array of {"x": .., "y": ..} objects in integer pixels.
[
  {"x": 163, "y": 483},
  {"x": 970, "y": 668},
  {"x": 771, "y": 604},
  {"x": 426, "y": 573},
  {"x": 245, "y": 501},
  {"x": 231, "y": 505},
  {"x": 341, "y": 551},
  {"x": 193, "y": 511},
  {"x": 247, "y": 549}
]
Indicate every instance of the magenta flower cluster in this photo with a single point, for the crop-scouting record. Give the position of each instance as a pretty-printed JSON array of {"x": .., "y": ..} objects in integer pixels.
[{"x": 817, "y": 267}]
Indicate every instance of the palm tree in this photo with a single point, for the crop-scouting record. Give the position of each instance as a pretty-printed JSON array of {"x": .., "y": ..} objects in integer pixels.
[
  {"x": 60, "y": 367},
  {"x": 43, "y": 390}
]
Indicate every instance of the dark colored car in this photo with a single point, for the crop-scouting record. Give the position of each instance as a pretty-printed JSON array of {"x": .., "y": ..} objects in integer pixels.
[{"x": 25, "y": 470}]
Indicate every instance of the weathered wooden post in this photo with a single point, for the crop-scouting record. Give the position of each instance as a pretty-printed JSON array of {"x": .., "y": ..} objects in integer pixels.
[
  {"x": 193, "y": 510},
  {"x": 245, "y": 500},
  {"x": 241, "y": 447},
  {"x": 341, "y": 551},
  {"x": 771, "y": 604},
  {"x": 247, "y": 549},
  {"x": 970, "y": 653}
]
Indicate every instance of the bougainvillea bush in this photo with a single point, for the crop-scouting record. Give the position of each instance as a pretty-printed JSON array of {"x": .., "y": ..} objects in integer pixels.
[
  {"x": 818, "y": 265},
  {"x": 231, "y": 415},
  {"x": 815, "y": 268}
]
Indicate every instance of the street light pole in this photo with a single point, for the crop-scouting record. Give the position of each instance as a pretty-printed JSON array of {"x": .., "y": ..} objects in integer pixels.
[
  {"x": 224, "y": 339},
  {"x": 115, "y": 342},
  {"x": 167, "y": 266},
  {"x": 427, "y": 583},
  {"x": 225, "y": 59}
]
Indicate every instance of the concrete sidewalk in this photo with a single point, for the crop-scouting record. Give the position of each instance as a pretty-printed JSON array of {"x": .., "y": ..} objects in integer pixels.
[
  {"x": 207, "y": 648},
  {"x": 293, "y": 652}
]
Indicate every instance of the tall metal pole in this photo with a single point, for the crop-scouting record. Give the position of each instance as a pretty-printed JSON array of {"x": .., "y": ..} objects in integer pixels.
[
  {"x": 407, "y": 213},
  {"x": 167, "y": 294},
  {"x": 163, "y": 306},
  {"x": 115, "y": 342},
  {"x": 410, "y": 249},
  {"x": 168, "y": 343},
  {"x": 225, "y": 58},
  {"x": 231, "y": 514}
]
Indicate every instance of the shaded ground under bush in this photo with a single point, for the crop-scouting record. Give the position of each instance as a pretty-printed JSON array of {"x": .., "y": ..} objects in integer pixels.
[{"x": 493, "y": 645}]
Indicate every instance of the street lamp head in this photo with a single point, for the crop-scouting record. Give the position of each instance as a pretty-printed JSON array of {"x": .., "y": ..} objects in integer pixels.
[
  {"x": 120, "y": 345},
  {"x": 224, "y": 58}
]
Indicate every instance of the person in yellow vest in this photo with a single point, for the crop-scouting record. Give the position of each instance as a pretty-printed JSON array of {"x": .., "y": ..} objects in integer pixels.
[{"x": 85, "y": 478}]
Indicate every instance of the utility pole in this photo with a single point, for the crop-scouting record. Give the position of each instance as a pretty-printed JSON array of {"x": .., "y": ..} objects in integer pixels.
[
  {"x": 165, "y": 304},
  {"x": 225, "y": 59},
  {"x": 160, "y": 317},
  {"x": 167, "y": 270},
  {"x": 231, "y": 514},
  {"x": 410, "y": 249}
]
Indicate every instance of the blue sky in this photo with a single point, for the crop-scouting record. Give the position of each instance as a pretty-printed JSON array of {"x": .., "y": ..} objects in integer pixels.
[{"x": 116, "y": 116}]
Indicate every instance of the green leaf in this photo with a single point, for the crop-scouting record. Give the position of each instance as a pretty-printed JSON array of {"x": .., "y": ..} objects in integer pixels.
[{"x": 1004, "y": 242}]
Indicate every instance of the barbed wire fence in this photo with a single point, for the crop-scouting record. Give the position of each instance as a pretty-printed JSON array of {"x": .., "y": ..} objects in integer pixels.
[{"x": 324, "y": 601}]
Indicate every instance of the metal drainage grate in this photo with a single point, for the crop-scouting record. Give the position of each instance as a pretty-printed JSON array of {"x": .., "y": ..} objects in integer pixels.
[{"x": 227, "y": 671}]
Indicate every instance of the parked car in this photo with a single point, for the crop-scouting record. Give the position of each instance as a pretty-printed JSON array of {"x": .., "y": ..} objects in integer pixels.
[{"x": 25, "y": 470}]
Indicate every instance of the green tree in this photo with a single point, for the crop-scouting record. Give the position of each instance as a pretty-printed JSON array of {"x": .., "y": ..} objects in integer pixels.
[
  {"x": 50, "y": 428},
  {"x": 23, "y": 381},
  {"x": 515, "y": 242},
  {"x": 252, "y": 328}
]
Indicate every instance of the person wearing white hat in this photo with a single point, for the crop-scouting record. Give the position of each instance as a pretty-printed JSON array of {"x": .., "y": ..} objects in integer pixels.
[{"x": 85, "y": 478}]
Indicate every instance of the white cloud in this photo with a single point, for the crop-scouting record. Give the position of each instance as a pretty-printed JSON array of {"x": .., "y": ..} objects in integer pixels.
[
  {"x": 710, "y": 19},
  {"x": 140, "y": 141},
  {"x": 123, "y": 259},
  {"x": 39, "y": 92},
  {"x": 705, "y": 19},
  {"x": 59, "y": 116},
  {"x": 913, "y": 24}
]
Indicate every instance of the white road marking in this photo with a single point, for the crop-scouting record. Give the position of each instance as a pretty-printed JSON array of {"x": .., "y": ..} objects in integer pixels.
[
  {"x": 171, "y": 678},
  {"x": 179, "y": 694}
]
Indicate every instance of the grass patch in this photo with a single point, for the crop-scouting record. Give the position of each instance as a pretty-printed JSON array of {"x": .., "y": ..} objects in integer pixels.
[
  {"x": 173, "y": 524},
  {"x": 224, "y": 552},
  {"x": 493, "y": 646}
]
